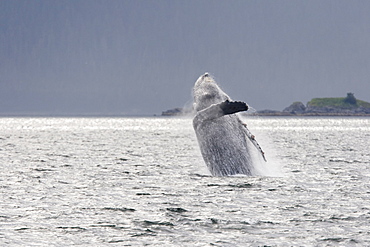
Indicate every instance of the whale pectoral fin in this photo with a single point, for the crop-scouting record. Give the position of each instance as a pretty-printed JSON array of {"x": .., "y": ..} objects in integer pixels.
[
  {"x": 218, "y": 110},
  {"x": 230, "y": 107},
  {"x": 252, "y": 138}
]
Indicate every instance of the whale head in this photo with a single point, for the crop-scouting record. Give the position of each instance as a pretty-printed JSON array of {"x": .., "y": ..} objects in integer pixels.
[{"x": 206, "y": 92}]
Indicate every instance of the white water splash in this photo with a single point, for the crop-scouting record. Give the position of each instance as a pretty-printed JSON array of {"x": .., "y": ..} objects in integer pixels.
[{"x": 272, "y": 166}]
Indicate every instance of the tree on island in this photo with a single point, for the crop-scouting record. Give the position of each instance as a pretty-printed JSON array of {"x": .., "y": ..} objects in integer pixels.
[{"x": 350, "y": 99}]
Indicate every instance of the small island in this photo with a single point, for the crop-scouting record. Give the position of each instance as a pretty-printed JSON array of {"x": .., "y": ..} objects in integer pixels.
[{"x": 342, "y": 106}]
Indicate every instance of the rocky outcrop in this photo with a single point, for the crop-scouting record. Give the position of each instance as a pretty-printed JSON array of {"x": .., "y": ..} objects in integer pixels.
[
  {"x": 173, "y": 112},
  {"x": 295, "y": 108},
  {"x": 327, "y": 110},
  {"x": 177, "y": 112}
]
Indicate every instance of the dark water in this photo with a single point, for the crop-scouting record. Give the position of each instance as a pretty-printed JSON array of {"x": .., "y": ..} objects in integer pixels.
[{"x": 142, "y": 181}]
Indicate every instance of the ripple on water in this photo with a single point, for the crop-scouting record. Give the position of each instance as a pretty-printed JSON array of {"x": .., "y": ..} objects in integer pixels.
[{"x": 142, "y": 181}]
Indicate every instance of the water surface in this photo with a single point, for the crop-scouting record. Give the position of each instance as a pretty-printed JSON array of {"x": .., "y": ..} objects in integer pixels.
[{"x": 142, "y": 181}]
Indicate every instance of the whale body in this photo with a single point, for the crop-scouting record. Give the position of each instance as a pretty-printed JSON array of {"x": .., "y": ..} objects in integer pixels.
[{"x": 223, "y": 138}]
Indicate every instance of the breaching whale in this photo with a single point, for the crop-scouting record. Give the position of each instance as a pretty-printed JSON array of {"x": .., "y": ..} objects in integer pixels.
[{"x": 224, "y": 140}]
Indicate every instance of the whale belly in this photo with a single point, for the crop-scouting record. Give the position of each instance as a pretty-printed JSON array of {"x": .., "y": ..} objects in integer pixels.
[{"x": 224, "y": 147}]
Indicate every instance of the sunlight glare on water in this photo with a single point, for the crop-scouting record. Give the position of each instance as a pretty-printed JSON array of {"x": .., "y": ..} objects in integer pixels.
[{"x": 142, "y": 181}]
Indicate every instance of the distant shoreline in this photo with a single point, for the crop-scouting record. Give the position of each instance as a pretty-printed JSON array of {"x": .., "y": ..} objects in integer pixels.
[
  {"x": 343, "y": 106},
  {"x": 271, "y": 113},
  {"x": 312, "y": 114}
]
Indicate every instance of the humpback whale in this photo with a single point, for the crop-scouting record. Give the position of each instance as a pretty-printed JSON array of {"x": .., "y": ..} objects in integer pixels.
[{"x": 224, "y": 140}]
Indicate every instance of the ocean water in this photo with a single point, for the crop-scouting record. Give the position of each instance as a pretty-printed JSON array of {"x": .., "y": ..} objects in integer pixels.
[{"x": 142, "y": 182}]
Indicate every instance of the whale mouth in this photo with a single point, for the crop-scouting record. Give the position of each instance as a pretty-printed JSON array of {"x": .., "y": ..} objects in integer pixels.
[{"x": 207, "y": 77}]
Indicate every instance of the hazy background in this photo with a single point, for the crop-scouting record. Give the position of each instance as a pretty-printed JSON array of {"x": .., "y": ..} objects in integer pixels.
[{"x": 143, "y": 57}]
